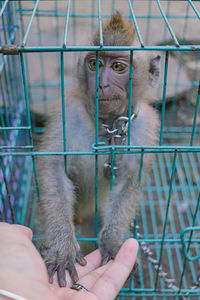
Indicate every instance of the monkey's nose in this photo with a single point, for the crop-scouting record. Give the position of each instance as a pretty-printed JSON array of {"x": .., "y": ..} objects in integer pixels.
[{"x": 104, "y": 88}]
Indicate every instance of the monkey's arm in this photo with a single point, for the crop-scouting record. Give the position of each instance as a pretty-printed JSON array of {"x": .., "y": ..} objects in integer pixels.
[
  {"x": 60, "y": 248},
  {"x": 118, "y": 215}
]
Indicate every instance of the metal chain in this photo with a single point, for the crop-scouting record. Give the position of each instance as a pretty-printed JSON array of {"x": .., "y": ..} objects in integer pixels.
[{"x": 170, "y": 282}]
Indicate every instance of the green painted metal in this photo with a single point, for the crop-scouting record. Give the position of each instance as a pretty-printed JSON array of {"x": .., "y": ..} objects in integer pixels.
[
  {"x": 164, "y": 97},
  {"x": 167, "y": 24},
  {"x": 168, "y": 214},
  {"x": 136, "y": 25},
  {"x": 63, "y": 107},
  {"x": 100, "y": 24},
  {"x": 66, "y": 24},
  {"x": 30, "y": 23}
]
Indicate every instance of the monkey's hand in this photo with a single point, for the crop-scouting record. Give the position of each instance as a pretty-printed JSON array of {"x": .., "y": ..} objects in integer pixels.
[
  {"x": 60, "y": 257},
  {"x": 110, "y": 243}
]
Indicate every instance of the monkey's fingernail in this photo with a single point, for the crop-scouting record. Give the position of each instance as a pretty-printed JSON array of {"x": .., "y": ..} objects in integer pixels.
[
  {"x": 50, "y": 279},
  {"x": 81, "y": 260},
  {"x": 51, "y": 269},
  {"x": 61, "y": 275},
  {"x": 72, "y": 272},
  {"x": 62, "y": 283},
  {"x": 74, "y": 277},
  {"x": 105, "y": 260}
]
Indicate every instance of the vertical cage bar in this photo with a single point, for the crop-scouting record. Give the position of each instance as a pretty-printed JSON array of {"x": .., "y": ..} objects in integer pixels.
[
  {"x": 28, "y": 119},
  {"x": 7, "y": 91},
  {"x": 148, "y": 21},
  {"x": 100, "y": 24},
  {"x": 97, "y": 100},
  {"x": 30, "y": 24},
  {"x": 96, "y": 141},
  {"x": 136, "y": 25},
  {"x": 7, "y": 73},
  {"x": 166, "y": 216},
  {"x": 74, "y": 29},
  {"x": 7, "y": 119},
  {"x": 141, "y": 164},
  {"x": 63, "y": 107},
  {"x": 66, "y": 24},
  {"x": 130, "y": 95},
  {"x": 164, "y": 98},
  {"x": 195, "y": 116},
  {"x": 167, "y": 24},
  {"x": 112, "y": 168},
  {"x": 25, "y": 55},
  {"x": 92, "y": 19},
  {"x": 57, "y": 23},
  {"x": 42, "y": 68},
  {"x": 13, "y": 217}
]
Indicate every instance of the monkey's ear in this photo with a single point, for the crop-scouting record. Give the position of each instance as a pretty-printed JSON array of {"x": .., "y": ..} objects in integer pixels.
[{"x": 154, "y": 70}]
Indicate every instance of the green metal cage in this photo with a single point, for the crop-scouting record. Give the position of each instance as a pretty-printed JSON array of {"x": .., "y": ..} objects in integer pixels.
[{"x": 39, "y": 45}]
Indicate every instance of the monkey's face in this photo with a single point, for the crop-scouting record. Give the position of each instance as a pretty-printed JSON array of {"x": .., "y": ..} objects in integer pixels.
[{"x": 113, "y": 82}]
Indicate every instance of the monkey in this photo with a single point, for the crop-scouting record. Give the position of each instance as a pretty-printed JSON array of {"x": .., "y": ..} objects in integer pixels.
[{"x": 63, "y": 193}]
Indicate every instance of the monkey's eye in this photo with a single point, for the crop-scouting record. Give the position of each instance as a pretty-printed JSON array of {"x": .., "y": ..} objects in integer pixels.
[
  {"x": 118, "y": 66},
  {"x": 92, "y": 64}
]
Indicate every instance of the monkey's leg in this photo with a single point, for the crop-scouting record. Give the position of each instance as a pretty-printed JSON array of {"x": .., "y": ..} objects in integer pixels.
[
  {"x": 118, "y": 216},
  {"x": 56, "y": 209}
]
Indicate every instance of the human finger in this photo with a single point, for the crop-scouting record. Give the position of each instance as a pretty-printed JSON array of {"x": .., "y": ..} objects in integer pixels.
[
  {"x": 14, "y": 231},
  {"x": 27, "y": 231},
  {"x": 90, "y": 279},
  {"x": 110, "y": 283}
]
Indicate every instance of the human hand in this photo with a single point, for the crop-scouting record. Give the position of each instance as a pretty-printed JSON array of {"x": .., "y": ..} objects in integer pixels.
[{"x": 22, "y": 270}]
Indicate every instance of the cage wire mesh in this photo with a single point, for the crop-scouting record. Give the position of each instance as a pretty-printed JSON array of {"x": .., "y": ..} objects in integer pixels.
[{"x": 40, "y": 41}]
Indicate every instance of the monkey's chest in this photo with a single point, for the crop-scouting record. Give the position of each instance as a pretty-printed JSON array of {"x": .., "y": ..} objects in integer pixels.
[{"x": 90, "y": 183}]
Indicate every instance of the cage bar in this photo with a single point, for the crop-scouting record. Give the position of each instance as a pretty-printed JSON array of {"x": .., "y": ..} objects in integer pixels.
[
  {"x": 30, "y": 23},
  {"x": 194, "y": 8},
  {"x": 195, "y": 116},
  {"x": 100, "y": 24},
  {"x": 136, "y": 25},
  {"x": 66, "y": 24},
  {"x": 167, "y": 24}
]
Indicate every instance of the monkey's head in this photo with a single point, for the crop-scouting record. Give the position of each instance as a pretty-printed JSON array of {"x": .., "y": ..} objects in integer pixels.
[{"x": 114, "y": 70}]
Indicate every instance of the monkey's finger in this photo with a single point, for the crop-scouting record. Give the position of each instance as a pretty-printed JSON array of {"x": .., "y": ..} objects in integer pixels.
[
  {"x": 43, "y": 251},
  {"x": 51, "y": 269},
  {"x": 105, "y": 259},
  {"x": 93, "y": 262},
  {"x": 80, "y": 259},
  {"x": 61, "y": 275},
  {"x": 72, "y": 271}
]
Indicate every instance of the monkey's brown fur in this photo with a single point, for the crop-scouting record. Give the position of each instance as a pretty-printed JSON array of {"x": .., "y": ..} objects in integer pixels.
[
  {"x": 61, "y": 193},
  {"x": 116, "y": 32}
]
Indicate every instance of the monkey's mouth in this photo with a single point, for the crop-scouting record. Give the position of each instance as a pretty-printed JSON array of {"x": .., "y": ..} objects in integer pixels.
[{"x": 108, "y": 105}]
